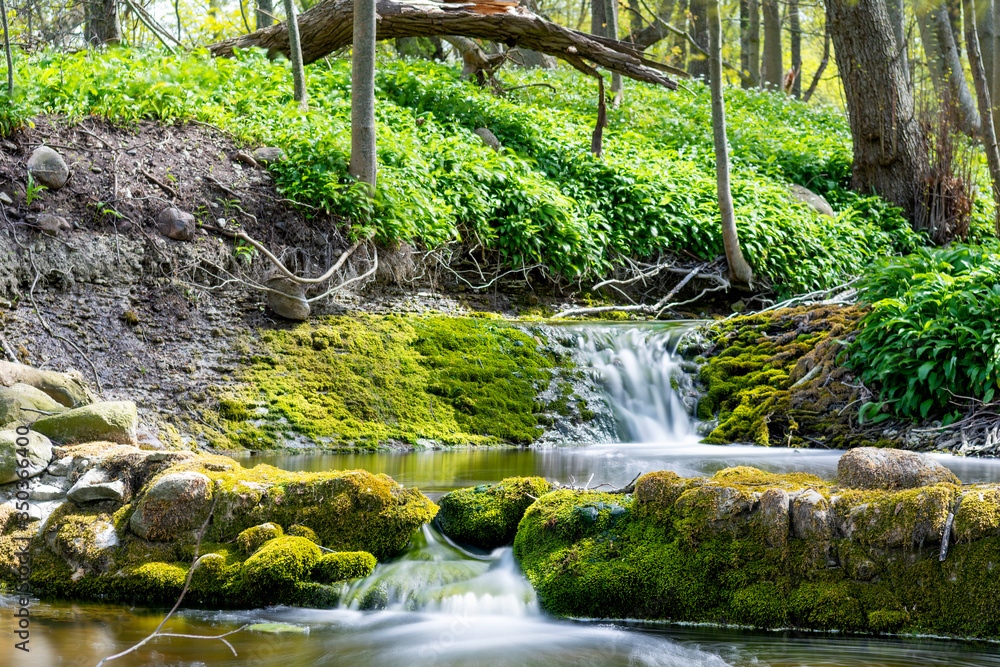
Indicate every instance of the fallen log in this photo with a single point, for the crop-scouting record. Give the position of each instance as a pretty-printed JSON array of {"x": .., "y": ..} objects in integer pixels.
[{"x": 328, "y": 26}]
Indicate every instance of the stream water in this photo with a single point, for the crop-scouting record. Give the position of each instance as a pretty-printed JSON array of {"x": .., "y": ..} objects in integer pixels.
[{"x": 438, "y": 604}]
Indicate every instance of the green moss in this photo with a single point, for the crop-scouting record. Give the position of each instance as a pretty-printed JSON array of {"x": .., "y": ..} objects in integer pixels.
[
  {"x": 978, "y": 515},
  {"x": 903, "y": 518},
  {"x": 887, "y": 620},
  {"x": 306, "y": 532},
  {"x": 148, "y": 582},
  {"x": 254, "y": 538},
  {"x": 486, "y": 516},
  {"x": 828, "y": 606},
  {"x": 278, "y": 565},
  {"x": 763, "y": 605},
  {"x": 376, "y": 379},
  {"x": 343, "y": 565}
]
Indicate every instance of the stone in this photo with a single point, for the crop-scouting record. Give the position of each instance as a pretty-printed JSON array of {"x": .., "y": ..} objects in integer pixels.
[
  {"x": 44, "y": 492},
  {"x": 173, "y": 506},
  {"x": 38, "y": 454},
  {"x": 94, "y": 485},
  {"x": 267, "y": 155},
  {"x": 488, "y": 138},
  {"x": 6, "y": 198},
  {"x": 290, "y": 301},
  {"x": 108, "y": 421},
  {"x": 176, "y": 224},
  {"x": 67, "y": 389},
  {"x": 48, "y": 167},
  {"x": 807, "y": 196},
  {"x": 775, "y": 517},
  {"x": 61, "y": 467},
  {"x": 811, "y": 516},
  {"x": 884, "y": 468},
  {"x": 22, "y": 403},
  {"x": 52, "y": 225}
]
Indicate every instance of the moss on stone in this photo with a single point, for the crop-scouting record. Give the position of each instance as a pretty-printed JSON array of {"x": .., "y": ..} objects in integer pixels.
[
  {"x": 254, "y": 537},
  {"x": 278, "y": 565},
  {"x": 978, "y": 515},
  {"x": 306, "y": 532},
  {"x": 486, "y": 516},
  {"x": 343, "y": 565}
]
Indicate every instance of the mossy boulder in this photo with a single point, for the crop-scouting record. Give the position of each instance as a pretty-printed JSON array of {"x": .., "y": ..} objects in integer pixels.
[
  {"x": 173, "y": 506},
  {"x": 712, "y": 550},
  {"x": 306, "y": 532},
  {"x": 17, "y": 397},
  {"x": 67, "y": 389},
  {"x": 486, "y": 516},
  {"x": 343, "y": 565},
  {"x": 279, "y": 564},
  {"x": 15, "y": 448},
  {"x": 254, "y": 538},
  {"x": 111, "y": 421},
  {"x": 886, "y": 468}
]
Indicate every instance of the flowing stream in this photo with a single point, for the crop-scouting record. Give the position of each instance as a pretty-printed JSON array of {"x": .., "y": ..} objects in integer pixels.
[{"x": 439, "y": 604}]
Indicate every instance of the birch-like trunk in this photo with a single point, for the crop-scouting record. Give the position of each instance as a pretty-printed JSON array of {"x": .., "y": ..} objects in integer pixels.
[
  {"x": 611, "y": 30},
  {"x": 985, "y": 107},
  {"x": 363, "y": 157},
  {"x": 295, "y": 49}
]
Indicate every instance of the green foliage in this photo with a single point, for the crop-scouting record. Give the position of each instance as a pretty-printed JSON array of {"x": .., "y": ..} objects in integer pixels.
[
  {"x": 542, "y": 200},
  {"x": 343, "y": 565},
  {"x": 931, "y": 337},
  {"x": 487, "y": 515}
]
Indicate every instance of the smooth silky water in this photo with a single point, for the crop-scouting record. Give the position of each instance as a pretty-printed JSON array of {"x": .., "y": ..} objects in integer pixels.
[{"x": 438, "y": 604}]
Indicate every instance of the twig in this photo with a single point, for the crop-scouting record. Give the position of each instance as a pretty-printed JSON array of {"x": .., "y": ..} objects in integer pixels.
[
  {"x": 656, "y": 309},
  {"x": 7, "y": 349},
  {"x": 222, "y": 187},
  {"x": 166, "y": 188},
  {"x": 348, "y": 282},
  {"x": 95, "y": 136},
  {"x": 530, "y": 85}
]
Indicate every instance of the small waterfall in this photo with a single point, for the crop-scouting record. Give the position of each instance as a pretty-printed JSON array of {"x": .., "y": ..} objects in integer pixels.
[{"x": 643, "y": 377}]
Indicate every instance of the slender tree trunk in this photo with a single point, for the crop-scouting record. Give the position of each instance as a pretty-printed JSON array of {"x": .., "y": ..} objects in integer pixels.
[
  {"x": 646, "y": 36},
  {"x": 295, "y": 46},
  {"x": 680, "y": 44},
  {"x": 744, "y": 43},
  {"x": 954, "y": 8},
  {"x": 6, "y": 49},
  {"x": 795, "y": 37},
  {"x": 597, "y": 19},
  {"x": 611, "y": 30},
  {"x": 265, "y": 13},
  {"x": 995, "y": 84},
  {"x": 773, "y": 67},
  {"x": 889, "y": 152},
  {"x": 698, "y": 64},
  {"x": 363, "y": 156},
  {"x": 102, "y": 25},
  {"x": 753, "y": 41},
  {"x": 986, "y": 35},
  {"x": 739, "y": 270},
  {"x": 824, "y": 61},
  {"x": 945, "y": 65},
  {"x": 985, "y": 107}
]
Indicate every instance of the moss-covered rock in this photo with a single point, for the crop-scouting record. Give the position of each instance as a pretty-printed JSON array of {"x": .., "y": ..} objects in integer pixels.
[
  {"x": 16, "y": 447},
  {"x": 343, "y": 565},
  {"x": 254, "y": 538},
  {"x": 111, "y": 421},
  {"x": 486, "y": 516},
  {"x": 306, "y": 532},
  {"x": 711, "y": 550},
  {"x": 887, "y": 468},
  {"x": 278, "y": 565},
  {"x": 17, "y": 397}
]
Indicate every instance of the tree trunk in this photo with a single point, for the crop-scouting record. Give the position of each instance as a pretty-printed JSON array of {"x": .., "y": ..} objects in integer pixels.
[
  {"x": 753, "y": 41},
  {"x": 264, "y": 13},
  {"x": 824, "y": 61},
  {"x": 597, "y": 19},
  {"x": 102, "y": 26},
  {"x": 363, "y": 157},
  {"x": 986, "y": 35},
  {"x": 996, "y": 64},
  {"x": 985, "y": 107},
  {"x": 945, "y": 65},
  {"x": 773, "y": 67},
  {"x": 611, "y": 30},
  {"x": 744, "y": 35},
  {"x": 635, "y": 17},
  {"x": 795, "y": 37},
  {"x": 739, "y": 270},
  {"x": 889, "y": 153},
  {"x": 646, "y": 36},
  {"x": 698, "y": 64},
  {"x": 327, "y": 27},
  {"x": 954, "y": 8},
  {"x": 897, "y": 18},
  {"x": 295, "y": 48}
]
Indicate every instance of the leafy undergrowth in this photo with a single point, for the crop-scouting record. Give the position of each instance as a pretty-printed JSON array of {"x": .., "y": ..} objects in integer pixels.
[
  {"x": 364, "y": 381},
  {"x": 544, "y": 200},
  {"x": 931, "y": 342}
]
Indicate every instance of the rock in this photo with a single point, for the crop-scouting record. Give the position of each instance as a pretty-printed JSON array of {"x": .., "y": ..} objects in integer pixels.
[
  {"x": 52, "y": 225},
  {"x": 44, "y": 492},
  {"x": 172, "y": 507},
  {"x": 488, "y": 138},
  {"x": 48, "y": 167},
  {"x": 39, "y": 453},
  {"x": 65, "y": 388},
  {"x": 343, "y": 565},
  {"x": 774, "y": 517},
  {"x": 268, "y": 155},
  {"x": 176, "y": 224},
  {"x": 811, "y": 516},
  {"x": 883, "y": 468},
  {"x": 17, "y": 397},
  {"x": 94, "y": 485},
  {"x": 279, "y": 564},
  {"x": 61, "y": 467},
  {"x": 254, "y": 538},
  {"x": 291, "y": 302},
  {"x": 486, "y": 516},
  {"x": 110, "y": 421},
  {"x": 6, "y": 198},
  {"x": 807, "y": 196}
]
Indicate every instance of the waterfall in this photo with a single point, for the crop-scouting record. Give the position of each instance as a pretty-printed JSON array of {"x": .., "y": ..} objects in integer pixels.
[{"x": 643, "y": 378}]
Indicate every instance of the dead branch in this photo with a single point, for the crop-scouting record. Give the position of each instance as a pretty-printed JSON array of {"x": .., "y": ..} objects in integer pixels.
[{"x": 166, "y": 188}]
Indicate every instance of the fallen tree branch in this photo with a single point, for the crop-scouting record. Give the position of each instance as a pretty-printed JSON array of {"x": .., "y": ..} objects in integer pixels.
[
  {"x": 655, "y": 309},
  {"x": 166, "y": 188}
]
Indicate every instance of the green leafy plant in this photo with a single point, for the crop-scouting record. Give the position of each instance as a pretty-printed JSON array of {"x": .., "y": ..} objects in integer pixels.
[{"x": 32, "y": 190}]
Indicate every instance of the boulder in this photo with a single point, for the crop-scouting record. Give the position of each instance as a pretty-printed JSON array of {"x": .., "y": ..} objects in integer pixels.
[
  {"x": 883, "y": 468},
  {"x": 343, "y": 565},
  {"x": 807, "y": 196},
  {"x": 811, "y": 516},
  {"x": 173, "y": 506},
  {"x": 110, "y": 421},
  {"x": 67, "y": 389},
  {"x": 279, "y": 564},
  {"x": 488, "y": 138},
  {"x": 48, "y": 167},
  {"x": 176, "y": 224},
  {"x": 38, "y": 455},
  {"x": 255, "y": 537},
  {"x": 16, "y": 398},
  {"x": 52, "y": 225},
  {"x": 94, "y": 485},
  {"x": 288, "y": 298},
  {"x": 774, "y": 517},
  {"x": 267, "y": 155},
  {"x": 486, "y": 516}
]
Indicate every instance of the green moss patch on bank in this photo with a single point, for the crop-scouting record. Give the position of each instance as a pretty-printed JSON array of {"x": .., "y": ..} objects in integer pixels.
[
  {"x": 364, "y": 381},
  {"x": 777, "y": 378},
  {"x": 703, "y": 550}
]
